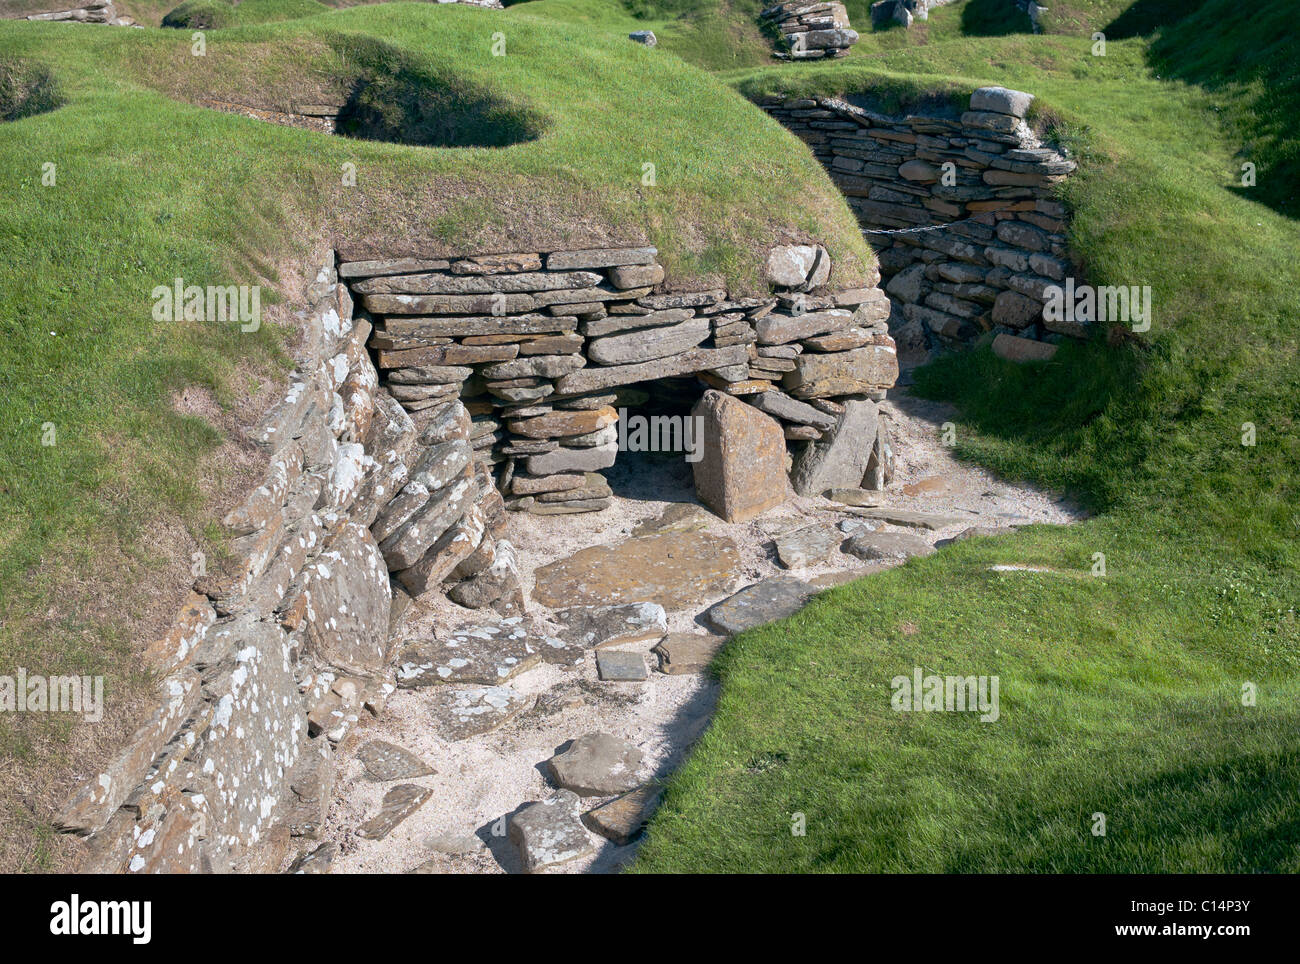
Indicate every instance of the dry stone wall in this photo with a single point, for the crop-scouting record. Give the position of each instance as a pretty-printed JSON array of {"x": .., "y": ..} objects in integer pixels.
[
  {"x": 502, "y": 379},
  {"x": 283, "y": 642},
  {"x": 988, "y": 183},
  {"x": 542, "y": 349},
  {"x": 811, "y": 31}
]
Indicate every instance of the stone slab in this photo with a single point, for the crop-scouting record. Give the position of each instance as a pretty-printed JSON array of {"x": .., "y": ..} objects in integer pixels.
[
  {"x": 917, "y": 520},
  {"x": 489, "y": 653},
  {"x": 886, "y": 546},
  {"x": 695, "y": 360},
  {"x": 463, "y": 712},
  {"x": 619, "y": 666},
  {"x": 808, "y": 546},
  {"x": 596, "y": 765},
  {"x": 674, "y": 569},
  {"x": 688, "y": 652},
  {"x": 399, "y": 803},
  {"x": 623, "y": 819},
  {"x": 741, "y": 471},
  {"x": 764, "y": 602},
  {"x": 595, "y": 626},
  {"x": 384, "y": 761},
  {"x": 550, "y": 832}
]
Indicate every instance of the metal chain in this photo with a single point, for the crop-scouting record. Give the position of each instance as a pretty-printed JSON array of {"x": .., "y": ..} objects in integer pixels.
[{"x": 928, "y": 227}]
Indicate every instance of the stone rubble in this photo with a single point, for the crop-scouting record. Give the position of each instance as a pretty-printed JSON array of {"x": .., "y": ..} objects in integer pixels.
[{"x": 811, "y": 31}]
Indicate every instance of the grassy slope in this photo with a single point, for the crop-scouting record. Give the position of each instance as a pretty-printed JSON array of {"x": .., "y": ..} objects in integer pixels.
[
  {"x": 1121, "y": 694},
  {"x": 726, "y": 34},
  {"x": 149, "y": 188}
]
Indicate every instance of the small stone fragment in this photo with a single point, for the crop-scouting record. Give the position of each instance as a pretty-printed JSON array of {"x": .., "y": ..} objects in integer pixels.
[
  {"x": 399, "y": 803},
  {"x": 617, "y": 666}
]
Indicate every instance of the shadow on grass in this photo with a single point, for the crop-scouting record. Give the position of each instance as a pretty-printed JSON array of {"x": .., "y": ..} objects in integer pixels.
[
  {"x": 993, "y": 18},
  {"x": 1249, "y": 59},
  {"x": 1053, "y": 410},
  {"x": 1239, "y": 813},
  {"x": 1145, "y": 16}
]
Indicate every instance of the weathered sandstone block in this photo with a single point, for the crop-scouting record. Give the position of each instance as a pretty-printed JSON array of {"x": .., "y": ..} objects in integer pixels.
[{"x": 742, "y": 471}]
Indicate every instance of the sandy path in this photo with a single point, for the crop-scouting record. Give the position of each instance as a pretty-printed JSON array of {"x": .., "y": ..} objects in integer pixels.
[{"x": 487, "y": 777}]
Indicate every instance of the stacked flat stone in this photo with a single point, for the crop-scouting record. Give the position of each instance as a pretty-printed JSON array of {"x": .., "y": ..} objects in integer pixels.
[
  {"x": 1004, "y": 236},
  {"x": 811, "y": 31},
  {"x": 542, "y": 348}
]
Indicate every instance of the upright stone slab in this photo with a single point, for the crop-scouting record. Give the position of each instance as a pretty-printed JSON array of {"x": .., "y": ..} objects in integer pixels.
[
  {"x": 349, "y": 600},
  {"x": 741, "y": 473},
  {"x": 255, "y": 739},
  {"x": 839, "y": 458}
]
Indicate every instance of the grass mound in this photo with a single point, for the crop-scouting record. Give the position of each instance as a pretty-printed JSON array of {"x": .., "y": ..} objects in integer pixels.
[
  {"x": 26, "y": 89},
  {"x": 219, "y": 14},
  {"x": 1251, "y": 61},
  {"x": 1161, "y": 694}
]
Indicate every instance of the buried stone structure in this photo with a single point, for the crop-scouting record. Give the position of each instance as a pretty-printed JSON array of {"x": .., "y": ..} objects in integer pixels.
[
  {"x": 537, "y": 353},
  {"x": 498, "y": 386},
  {"x": 962, "y": 211}
]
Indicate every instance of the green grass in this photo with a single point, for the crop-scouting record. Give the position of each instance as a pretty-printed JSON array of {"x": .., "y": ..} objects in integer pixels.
[
  {"x": 221, "y": 14},
  {"x": 148, "y": 186},
  {"x": 1120, "y": 694}
]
